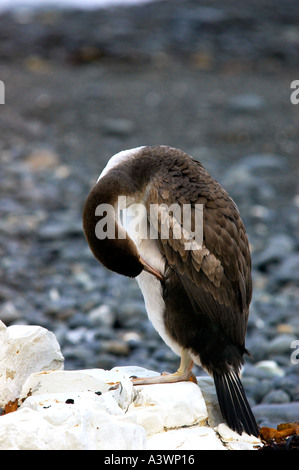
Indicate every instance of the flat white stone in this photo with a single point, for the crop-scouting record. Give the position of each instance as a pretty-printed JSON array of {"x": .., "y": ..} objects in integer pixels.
[
  {"x": 68, "y": 427},
  {"x": 135, "y": 371},
  {"x": 25, "y": 349},
  {"x": 195, "y": 438},
  {"x": 26, "y": 430},
  {"x": 166, "y": 406},
  {"x": 235, "y": 441},
  {"x": 104, "y": 402},
  {"x": 96, "y": 380}
]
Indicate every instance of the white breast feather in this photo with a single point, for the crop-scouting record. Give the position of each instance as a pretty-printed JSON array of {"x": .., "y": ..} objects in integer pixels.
[{"x": 151, "y": 288}]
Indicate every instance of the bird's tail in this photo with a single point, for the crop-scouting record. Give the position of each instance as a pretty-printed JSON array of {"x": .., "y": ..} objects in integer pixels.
[{"x": 233, "y": 403}]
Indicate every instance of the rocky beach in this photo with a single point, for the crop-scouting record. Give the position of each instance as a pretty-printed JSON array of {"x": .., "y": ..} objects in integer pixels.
[{"x": 211, "y": 78}]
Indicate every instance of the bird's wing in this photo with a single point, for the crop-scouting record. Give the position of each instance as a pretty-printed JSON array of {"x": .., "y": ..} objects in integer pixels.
[{"x": 216, "y": 274}]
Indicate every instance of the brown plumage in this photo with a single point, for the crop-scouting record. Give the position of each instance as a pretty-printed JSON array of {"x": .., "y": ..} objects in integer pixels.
[{"x": 205, "y": 292}]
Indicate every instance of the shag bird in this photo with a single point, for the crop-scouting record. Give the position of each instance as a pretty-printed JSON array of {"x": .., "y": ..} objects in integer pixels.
[{"x": 196, "y": 291}]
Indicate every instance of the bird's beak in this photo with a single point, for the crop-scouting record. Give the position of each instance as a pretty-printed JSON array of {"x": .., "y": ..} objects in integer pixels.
[{"x": 151, "y": 270}]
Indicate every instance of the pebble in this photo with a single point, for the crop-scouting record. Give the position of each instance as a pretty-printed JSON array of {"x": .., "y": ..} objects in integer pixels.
[
  {"x": 276, "y": 396},
  {"x": 42, "y": 159},
  {"x": 263, "y": 161},
  {"x": 118, "y": 127},
  {"x": 287, "y": 272},
  {"x": 250, "y": 102},
  {"x": 102, "y": 315},
  {"x": 270, "y": 369},
  {"x": 9, "y": 313},
  {"x": 280, "y": 344},
  {"x": 273, "y": 414},
  {"x": 117, "y": 347},
  {"x": 278, "y": 247}
]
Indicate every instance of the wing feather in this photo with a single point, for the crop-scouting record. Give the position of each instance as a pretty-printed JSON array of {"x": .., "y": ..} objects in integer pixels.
[{"x": 216, "y": 275}]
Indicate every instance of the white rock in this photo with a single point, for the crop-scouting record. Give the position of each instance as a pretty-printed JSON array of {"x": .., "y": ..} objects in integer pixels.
[
  {"x": 23, "y": 350},
  {"x": 195, "y": 438},
  {"x": 67, "y": 427},
  {"x": 27, "y": 430},
  {"x": 167, "y": 406},
  {"x": 104, "y": 402},
  {"x": 77, "y": 410},
  {"x": 234, "y": 441},
  {"x": 93, "y": 415},
  {"x": 135, "y": 371},
  {"x": 207, "y": 387},
  {"x": 125, "y": 393},
  {"x": 94, "y": 380},
  {"x": 270, "y": 367},
  {"x": 67, "y": 381},
  {"x": 113, "y": 434}
]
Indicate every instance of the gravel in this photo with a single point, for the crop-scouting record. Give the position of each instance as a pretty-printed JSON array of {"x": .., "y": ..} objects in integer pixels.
[{"x": 81, "y": 86}]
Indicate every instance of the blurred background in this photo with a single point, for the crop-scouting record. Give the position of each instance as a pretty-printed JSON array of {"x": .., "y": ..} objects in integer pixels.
[{"x": 84, "y": 80}]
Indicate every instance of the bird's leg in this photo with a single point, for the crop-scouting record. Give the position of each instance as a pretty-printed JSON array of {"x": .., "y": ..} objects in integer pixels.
[{"x": 184, "y": 373}]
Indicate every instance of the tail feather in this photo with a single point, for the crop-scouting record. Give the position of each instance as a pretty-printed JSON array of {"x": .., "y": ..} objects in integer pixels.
[{"x": 233, "y": 403}]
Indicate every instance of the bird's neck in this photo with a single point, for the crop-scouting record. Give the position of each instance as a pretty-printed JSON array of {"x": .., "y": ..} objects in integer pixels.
[{"x": 107, "y": 239}]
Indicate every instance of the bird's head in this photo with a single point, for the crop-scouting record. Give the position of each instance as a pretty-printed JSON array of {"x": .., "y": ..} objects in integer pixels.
[{"x": 107, "y": 238}]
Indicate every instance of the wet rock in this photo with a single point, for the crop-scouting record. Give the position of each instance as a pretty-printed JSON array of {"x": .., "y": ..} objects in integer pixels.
[
  {"x": 62, "y": 228},
  {"x": 280, "y": 344},
  {"x": 276, "y": 396},
  {"x": 272, "y": 414},
  {"x": 246, "y": 103},
  {"x": 288, "y": 383},
  {"x": 257, "y": 346},
  {"x": 287, "y": 272},
  {"x": 277, "y": 248},
  {"x": 42, "y": 159},
  {"x": 130, "y": 313},
  {"x": 117, "y": 347},
  {"x": 260, "y": 389},
  {"x": 263, "y": 161},
  {"x": 9, "y": 313},
  {"x": 118, "y": 127}
]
